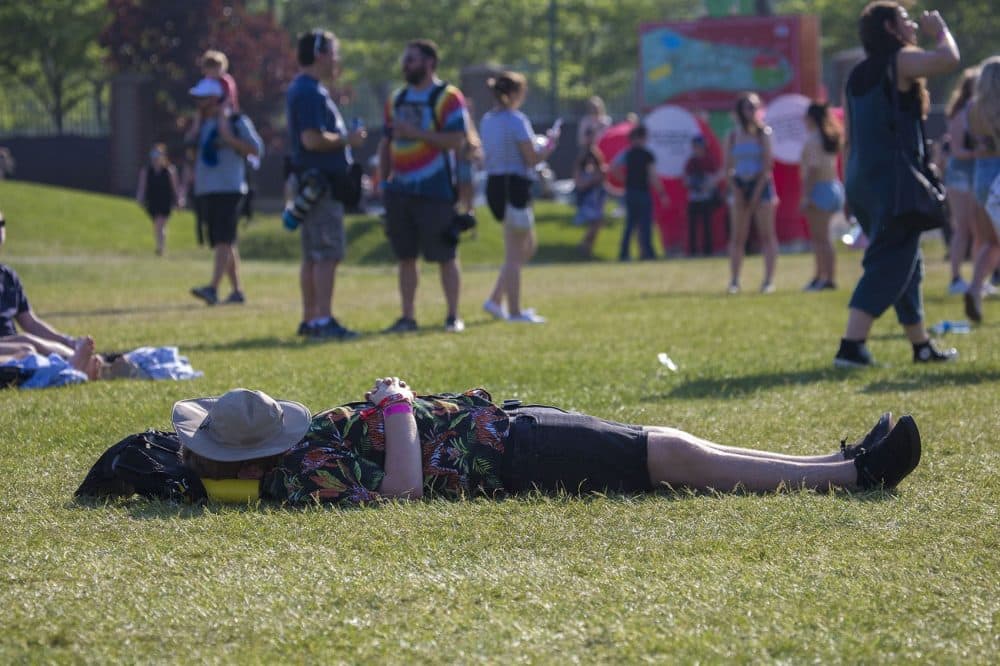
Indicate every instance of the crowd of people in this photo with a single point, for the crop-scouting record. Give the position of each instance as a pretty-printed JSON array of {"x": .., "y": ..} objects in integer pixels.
[{"x": 428, "y": 135}]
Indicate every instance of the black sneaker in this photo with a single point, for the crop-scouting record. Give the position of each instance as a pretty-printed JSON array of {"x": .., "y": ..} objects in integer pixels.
[
  {"x": 454, "y": 325},
  {"x": 826, "y": 285},
  {"x": 235, "y": 298},
  {"x": 402, "y": 325},
  {"x": 332, "y": 329},
  {"x": 874, "y": 436},
  {"x": 813, "y": 285},
  {"x": 304, "y": 328},
  {"x": 853, "y": 354},
  {"x": 889, "y": 461},
  {"x": 206, "y": 293},
  {"x": 972, "y": 309},
  {"x": 928, "y": 352}
]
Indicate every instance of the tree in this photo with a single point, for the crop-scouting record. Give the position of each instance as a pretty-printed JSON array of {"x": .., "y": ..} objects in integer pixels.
[
  {"x": 165, "y": 40},
  {"x": 50, "y": 48}
]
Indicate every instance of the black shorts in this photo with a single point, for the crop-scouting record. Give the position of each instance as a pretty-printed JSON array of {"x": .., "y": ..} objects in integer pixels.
[
  {"x": 158, "y": 210},
  {"x": 220, "y": 212},
  {"x": 418, "y": 225},
  {"x": 550, "y": 450},
  {"x": 507, "y": 188}
]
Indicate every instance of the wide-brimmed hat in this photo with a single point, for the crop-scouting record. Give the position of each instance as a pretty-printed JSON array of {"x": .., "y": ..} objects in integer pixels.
[
  {"x": 239, "y": 425},
  {"x": 207, "y": 88}
]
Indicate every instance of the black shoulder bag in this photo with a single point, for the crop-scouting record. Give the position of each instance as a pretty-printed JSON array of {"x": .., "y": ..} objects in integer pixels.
[{"x": 920, "y": 200}]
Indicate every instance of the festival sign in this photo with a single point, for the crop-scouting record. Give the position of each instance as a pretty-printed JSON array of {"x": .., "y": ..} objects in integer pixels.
[{"x": 704, "y": 64}]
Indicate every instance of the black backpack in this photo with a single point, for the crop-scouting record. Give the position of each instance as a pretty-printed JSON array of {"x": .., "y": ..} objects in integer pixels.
[{"x": 148, "y": 463}]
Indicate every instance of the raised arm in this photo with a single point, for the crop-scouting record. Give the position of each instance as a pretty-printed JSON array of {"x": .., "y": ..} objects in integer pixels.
[
  {"x": 914, "y": 62},
  {"x": 404, "y": 477}
]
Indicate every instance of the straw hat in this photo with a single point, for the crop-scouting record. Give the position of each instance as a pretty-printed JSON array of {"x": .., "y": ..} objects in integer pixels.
[{"x": 240, "y": 425}]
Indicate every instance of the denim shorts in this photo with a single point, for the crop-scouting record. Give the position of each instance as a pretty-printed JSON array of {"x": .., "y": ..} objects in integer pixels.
[
  {"x": 987, "y": 170},
  {"x": 549, "y": 449},
  {"x": 746, "y": 188},
  {"x": 828, "y": 196},
  {"x": 958, "y": 174}
]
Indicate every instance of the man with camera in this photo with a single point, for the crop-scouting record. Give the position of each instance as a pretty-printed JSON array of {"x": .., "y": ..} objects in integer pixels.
[
  {"x": 425, "y": 121},
  {"x": 320, "y": 143}
]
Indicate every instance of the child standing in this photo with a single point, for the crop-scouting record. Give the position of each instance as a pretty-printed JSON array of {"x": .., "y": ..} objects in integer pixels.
[
  {"x": 588, "y": 177},
  {"x": 158, "y": 192},
  {"x": 637, "y": 165}
]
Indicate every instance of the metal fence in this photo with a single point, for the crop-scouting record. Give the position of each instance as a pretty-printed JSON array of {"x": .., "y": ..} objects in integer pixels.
[{"x": 21, "y": 114}]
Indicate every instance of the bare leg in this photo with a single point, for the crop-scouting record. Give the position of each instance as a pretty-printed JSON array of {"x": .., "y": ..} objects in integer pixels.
[
  {"x": 681, "y": 460},
  {"x": 408, "y": 285},
  {"x": 768, "y": 238},
  {"x": 308, "y": 292},
  {"x": 755, "y": 453},
  {"x": 233, "y": 268},
  {"x": 159, "y": 235},
  {"x": 40, "y": 345},
  {"x": 220, "y": 263},
  {"x": 738, "y": 238},
  {"x": 323, "y": 273},
  {"x": 819, "y": 230},
  {"x": 961, "y": 211},
  {"x": 859, "y": 324},
  {"x": 451, "y": 283}
]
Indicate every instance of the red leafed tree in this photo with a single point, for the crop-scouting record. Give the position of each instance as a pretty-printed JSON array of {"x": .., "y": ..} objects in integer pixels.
[{"x": 165, "y": 40}]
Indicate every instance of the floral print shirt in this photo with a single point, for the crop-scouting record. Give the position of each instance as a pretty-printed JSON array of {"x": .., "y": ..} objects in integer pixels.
[{"x": 341, "y": 459}]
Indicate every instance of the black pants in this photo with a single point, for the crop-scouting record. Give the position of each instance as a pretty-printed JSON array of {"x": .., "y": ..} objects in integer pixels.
[
  {"x": 550, "y": 450},
  {"x": 700, "y": 215}
]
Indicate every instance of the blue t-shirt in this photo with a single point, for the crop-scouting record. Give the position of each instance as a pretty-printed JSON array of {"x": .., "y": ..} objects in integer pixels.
[
  {"x": 308, "y": 106},
  {"x": 501, "y": 132},
  {"x": 12, "y": 300}
]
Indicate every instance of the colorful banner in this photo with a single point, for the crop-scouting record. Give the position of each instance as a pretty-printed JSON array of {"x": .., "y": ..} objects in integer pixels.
[{"x": 702, "y": 65}]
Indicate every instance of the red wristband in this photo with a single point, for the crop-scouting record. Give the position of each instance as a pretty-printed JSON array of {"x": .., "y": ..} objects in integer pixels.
[{"x": 397, "y": 408}]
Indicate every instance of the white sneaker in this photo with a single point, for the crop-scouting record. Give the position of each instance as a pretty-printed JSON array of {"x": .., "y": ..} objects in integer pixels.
[
  {"x": 527, "y": 317},
  {"x": 989, "y": 289},
  {"x": 958, "y": 287},
  {"x": 495, "y": 309}
]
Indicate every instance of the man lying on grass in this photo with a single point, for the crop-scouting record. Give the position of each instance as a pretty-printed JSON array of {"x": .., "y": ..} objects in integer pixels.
[{"x": 399, "y": 445}]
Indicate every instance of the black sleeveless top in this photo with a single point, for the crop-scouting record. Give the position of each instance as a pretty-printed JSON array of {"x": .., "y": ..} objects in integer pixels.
[{"x": 159, "y": 189}]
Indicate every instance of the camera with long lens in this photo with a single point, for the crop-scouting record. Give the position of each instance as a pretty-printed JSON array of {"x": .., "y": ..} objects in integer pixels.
[{"x": 313, "y": 184}]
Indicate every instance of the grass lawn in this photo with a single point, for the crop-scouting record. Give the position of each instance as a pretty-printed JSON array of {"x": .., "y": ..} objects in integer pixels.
[{"x": 906, "y": 577}]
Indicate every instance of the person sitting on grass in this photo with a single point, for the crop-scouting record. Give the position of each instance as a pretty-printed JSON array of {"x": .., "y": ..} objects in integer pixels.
[
  {"x": 397, "y": 445},
  {"x": 36, "y": 336}
]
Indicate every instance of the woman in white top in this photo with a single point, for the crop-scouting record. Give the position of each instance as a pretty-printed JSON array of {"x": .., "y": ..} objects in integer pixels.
[{"x": 510, "y": 156}]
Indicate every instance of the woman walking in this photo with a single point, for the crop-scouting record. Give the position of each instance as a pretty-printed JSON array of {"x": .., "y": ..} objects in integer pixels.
[
  {"x": 749, "y": 161},
  {"x": 984, "y": 121},
  {"x": 958, "y": 175},
  {"x": 510, "y": 156},
  {"x": 893, "y": 268},
  {"x": 822, "y": 192}
]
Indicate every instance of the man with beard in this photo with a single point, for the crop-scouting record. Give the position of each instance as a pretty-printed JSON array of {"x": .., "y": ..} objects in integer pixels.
[{"x": 424, "y": 122}]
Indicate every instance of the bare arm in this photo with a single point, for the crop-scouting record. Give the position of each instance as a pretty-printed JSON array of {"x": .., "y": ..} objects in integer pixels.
[
  {"x": 35, "y": 326},
  {"x": 807, "y": 172},
  {"x": 175, "y": 183},
  {"x": 403, "y": 466},
  {"x": 440, "y": 140},
  {"x": 532, "y": 157},
  {"x": 241, "y": 146},
  {"x": 914, "y": 62},
  {"x": 321, "y": 141},
  {"x": 383, "y": 160},
  {"x": 140, "y": 190}
]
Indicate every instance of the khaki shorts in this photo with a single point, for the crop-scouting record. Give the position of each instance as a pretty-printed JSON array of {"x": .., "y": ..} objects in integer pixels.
[{"x": 323, "y": 235}]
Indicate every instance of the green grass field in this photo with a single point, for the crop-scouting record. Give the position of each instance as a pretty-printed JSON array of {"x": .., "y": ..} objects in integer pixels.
[{"x": 795, "y": 577}]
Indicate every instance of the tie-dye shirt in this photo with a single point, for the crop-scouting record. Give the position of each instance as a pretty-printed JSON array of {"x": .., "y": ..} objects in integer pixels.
[{"x": 418, "y": 167}]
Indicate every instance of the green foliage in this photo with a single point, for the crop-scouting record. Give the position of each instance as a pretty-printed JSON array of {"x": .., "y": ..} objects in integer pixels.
[
  {"x": 596, "y": 40},
  {"x": 50, "y": 49},
  {"x": 797, "y": 577}
]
